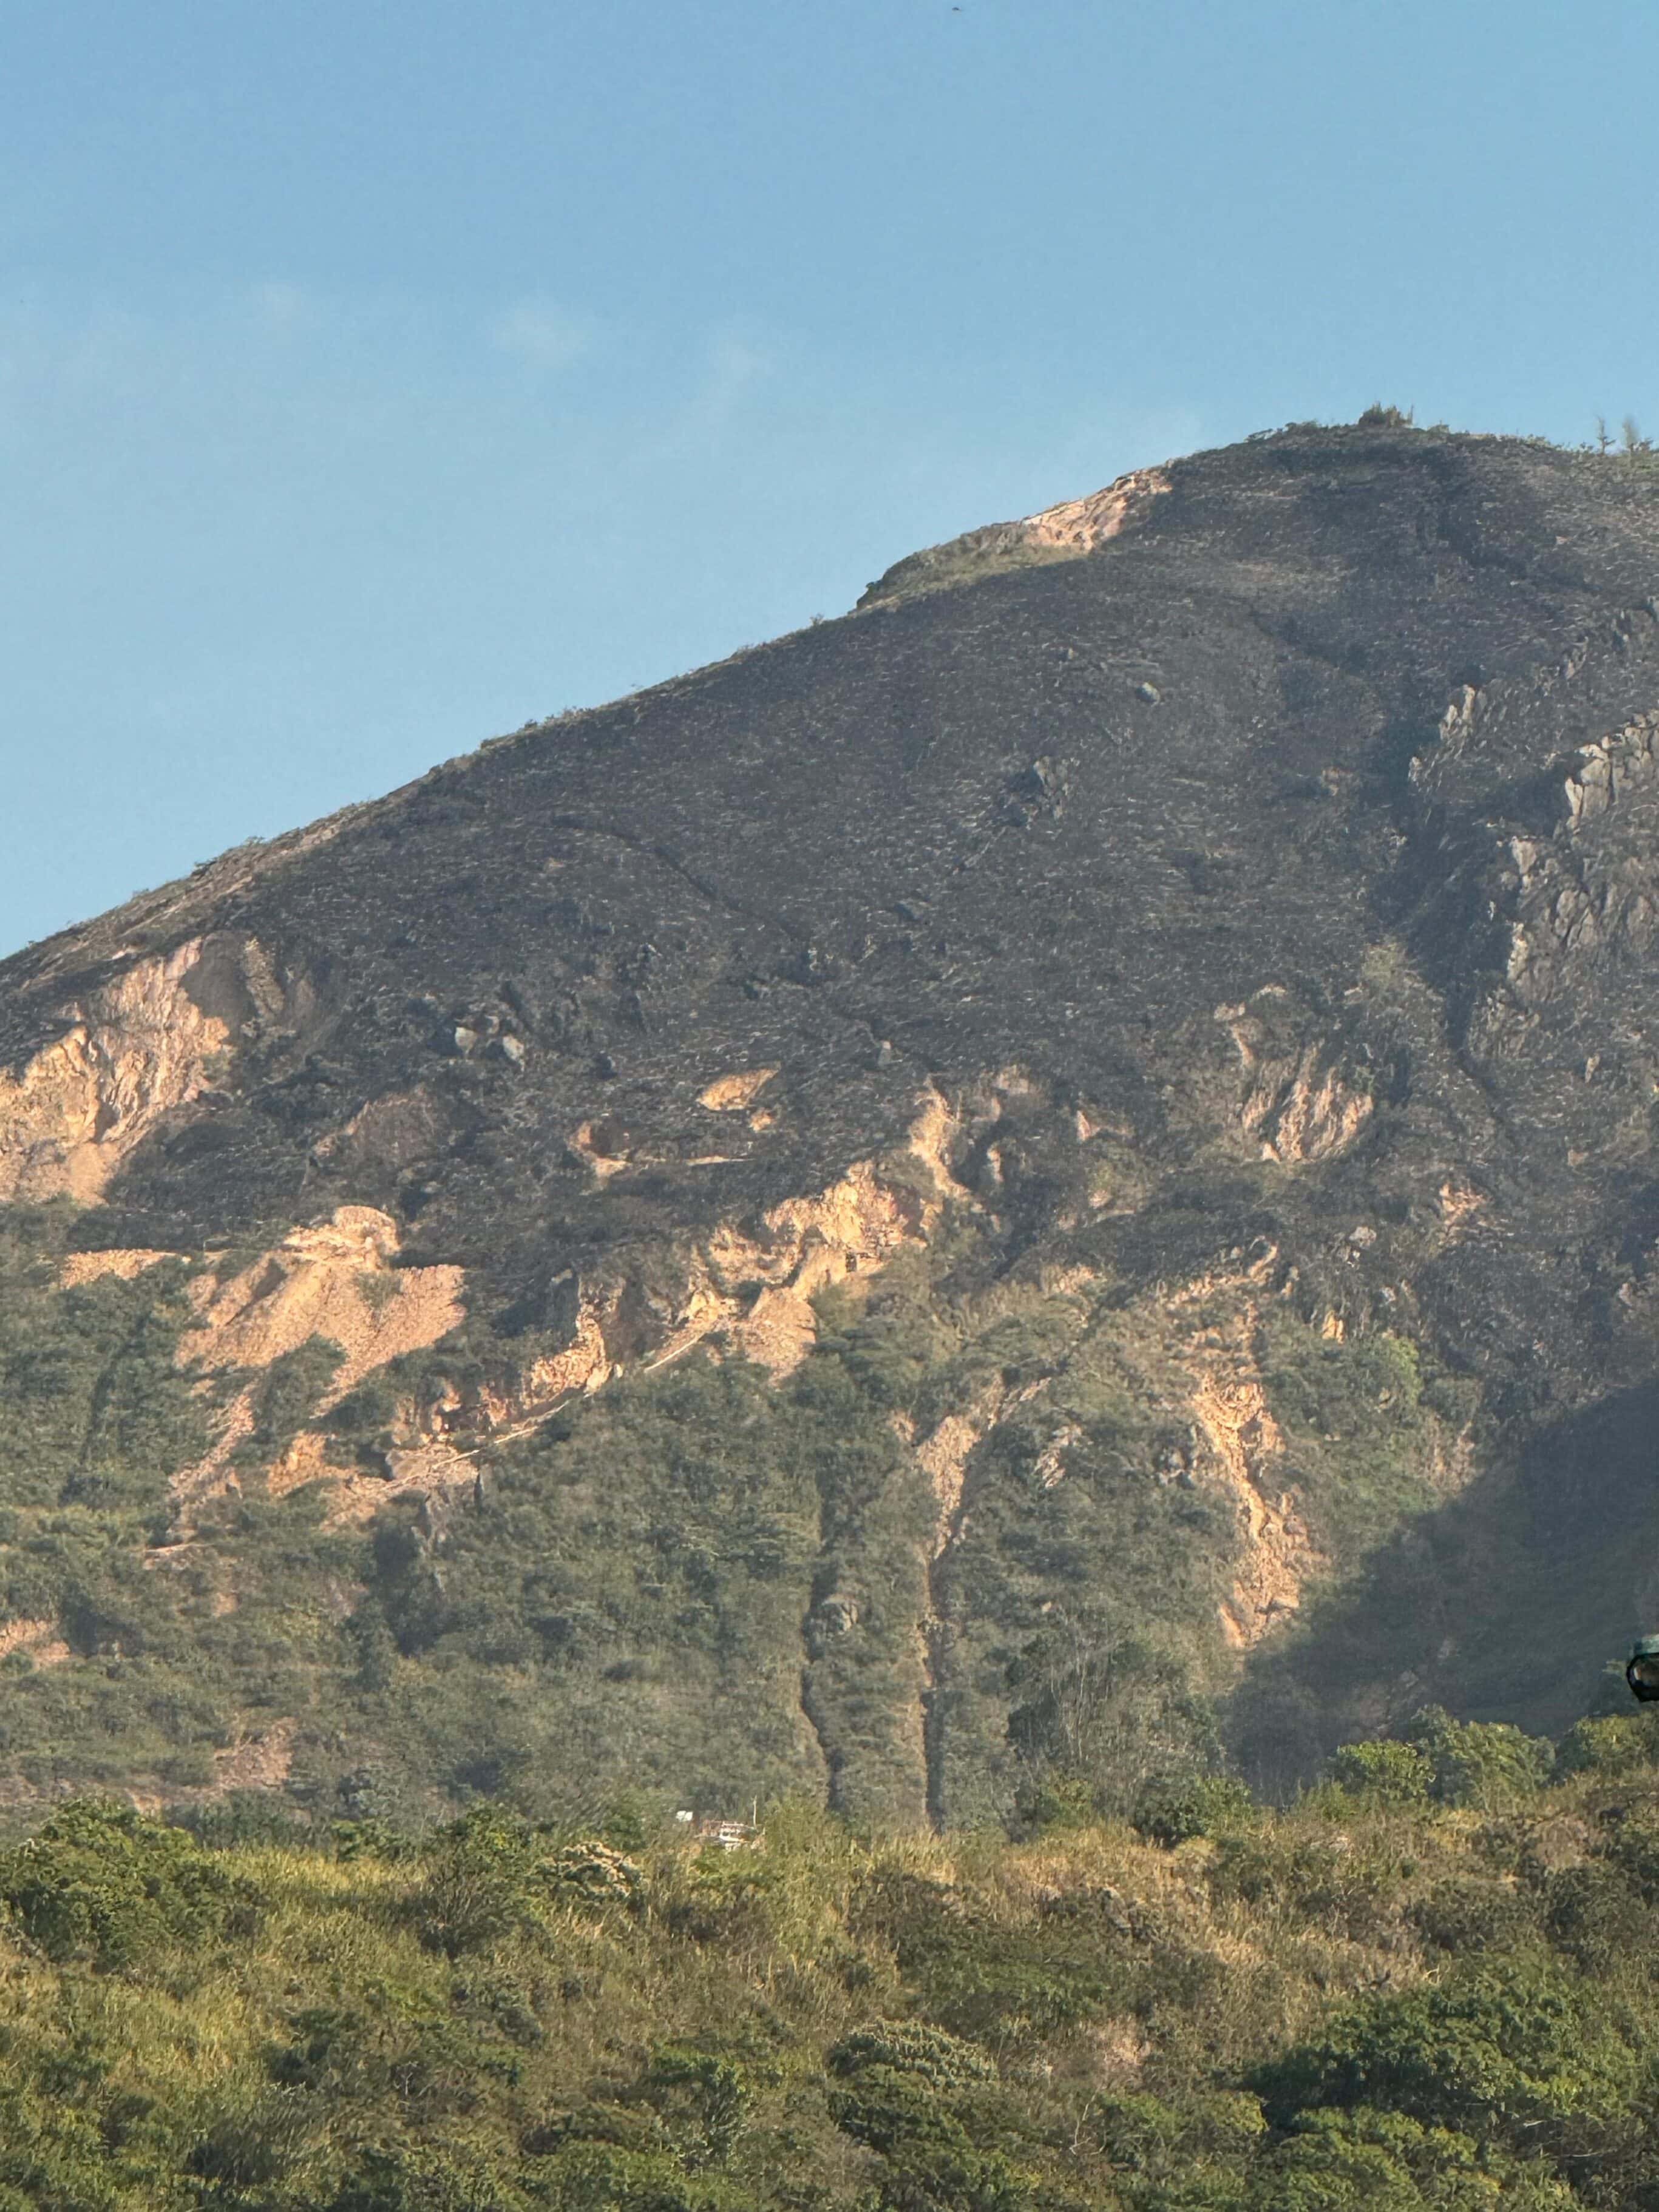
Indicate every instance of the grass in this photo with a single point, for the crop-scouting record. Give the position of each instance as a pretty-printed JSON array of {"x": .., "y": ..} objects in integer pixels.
[{"x": 1356, "y": 2002}]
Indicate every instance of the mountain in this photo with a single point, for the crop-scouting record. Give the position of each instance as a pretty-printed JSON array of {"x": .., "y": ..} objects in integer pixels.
[{"x": 1055, "y": 1174}]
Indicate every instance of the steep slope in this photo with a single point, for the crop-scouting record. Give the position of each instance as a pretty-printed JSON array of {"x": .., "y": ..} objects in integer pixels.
[{"x": 1117, "y": 1081}]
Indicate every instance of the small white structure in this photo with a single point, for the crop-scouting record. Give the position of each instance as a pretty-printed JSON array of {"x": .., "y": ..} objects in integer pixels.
[{"x": 730, "y": 1835}]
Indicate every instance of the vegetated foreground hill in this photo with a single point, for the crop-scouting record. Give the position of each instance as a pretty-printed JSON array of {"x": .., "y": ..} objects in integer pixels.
[
  {"x": 1432, "y": 1984},
  {"x": 1056, "y": 1174}
]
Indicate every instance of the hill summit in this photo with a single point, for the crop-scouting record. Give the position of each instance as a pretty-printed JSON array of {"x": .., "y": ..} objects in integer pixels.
[{"x": 1055, "y": 1174}]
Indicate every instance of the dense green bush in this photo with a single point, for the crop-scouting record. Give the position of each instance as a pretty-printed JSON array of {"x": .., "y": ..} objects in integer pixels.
[
  {"x": 708, "y": 2092},
  {"x": 942, "y": 2062},
  {"x": 1597, "y": 1916},
  {"x": 983, "y": 1979},
  {"x": 1384, "y": 1772},
  {"x": 99, "y": 1883},
  {"x": 907, "y": 2092},
  {"x": 1333, "y": 2160},
  {"x": 482, "y": 1883},
  {"x": 1163, "y": 2143},
  {"x": 1513, "y": 2051},
  {"x": 1629, "y": 1848},
  {"x": 1174, "y": 1812},
  {"x": 1468, "y": 1914},
  {"x": 1615, "y": 1744},
  {"x": 1487, "y": 1764}
]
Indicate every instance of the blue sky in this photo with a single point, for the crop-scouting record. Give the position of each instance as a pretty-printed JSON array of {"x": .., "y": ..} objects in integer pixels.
[{"x": 375, "y": 378}]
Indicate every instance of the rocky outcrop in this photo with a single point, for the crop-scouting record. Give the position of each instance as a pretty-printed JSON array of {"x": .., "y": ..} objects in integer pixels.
[
  {"x": 139, "y": 1047},
  {"x": 333, "y": 1280},
  {"x": 1063, "y": 533},
  {"x": 1303, "y": 1101},
  {"x": 1276, "y": 1553},
  {"x": 1080, "y": 526}
]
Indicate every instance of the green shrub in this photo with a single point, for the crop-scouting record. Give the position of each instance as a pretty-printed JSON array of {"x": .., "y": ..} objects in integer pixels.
[
  {"x": 932, "y": 2163},
  {"x": 1318, "y": 1880},
  {"x": 360, "y": 1424},
  {"x": 98, "y": 1881},
  {"x": 983, "y": 1979},
  {"x": 485, "y": 1880},
  {"x": 947, "y": 2177},
  {"x": 1513, "y": 2051},
  {"x": 252, "y": 2143},
  {"x": 593, "y": 1872},
  {"x": 1383, "y": 1773},
  {"x": 1487, "y": 1764},
  {"x": 1174, "y": 1812},
  {"x": 710, "y": 2094},
  {"x": 1051, "y": 1800},
  {"x": 455, "y": 2177},
  {"x": 586, "y": 2176},
  {"x": 1597, "y": 1916},
  {"x": 373, "y": 1839},
  {"x": 942, "y": 2062},
  {"x": 1615, "y": 1746},
  {"x": 917, "y": 2095},
  {"x": 245, "y": 1817},
  {"x": 1151, "y": 2135},
  {"x": 1631, "y": 1848},
  {"x": 1467, "y": 1915},
  {"x": 1333, "y": 2160},
  {"x": 284, "y": 1397}
]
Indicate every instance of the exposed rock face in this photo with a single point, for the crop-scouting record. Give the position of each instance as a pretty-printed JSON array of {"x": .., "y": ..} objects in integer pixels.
[
  {"x": 330, "y": 1280},
  {"x": 140, "y": 1046},
  {"x": 1075, "y": 526},
  {"x": 1081, "y": 525},
  {"x": 1223, "y": 905}
]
